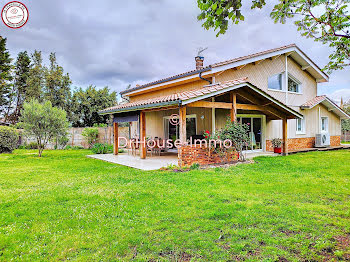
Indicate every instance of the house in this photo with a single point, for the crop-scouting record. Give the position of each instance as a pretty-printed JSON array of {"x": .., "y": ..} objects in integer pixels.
[{"x": 274, "y": 91}]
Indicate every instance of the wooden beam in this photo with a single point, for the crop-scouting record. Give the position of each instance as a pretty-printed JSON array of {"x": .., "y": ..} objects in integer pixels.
[
  {"x": 285, "y": 136},
  {"x": 116, "y": 140},
  {"x": 182, "y": 123},
  {"x": 182, "y": 132},
  {"x": 160, "y": 109},
  {"x": 305, "y": 67},
  {"x": 143, "y": 150},
  {"x": 207, "y": 104},
  {"x": 268, "y": 109},
  {"x": 233, "y": 106}
]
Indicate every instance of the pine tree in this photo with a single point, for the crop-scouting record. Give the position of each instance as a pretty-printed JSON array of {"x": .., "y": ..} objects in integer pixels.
[
  {"x": 22, "y": 70},
  {"x": 57, "y": 85},
  {"x": 35, "y": 81},
  {"x": 5, "y": 79}
]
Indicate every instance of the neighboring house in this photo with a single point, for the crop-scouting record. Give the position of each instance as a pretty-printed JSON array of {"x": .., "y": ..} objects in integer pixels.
[{"x": 274, "y": 91}]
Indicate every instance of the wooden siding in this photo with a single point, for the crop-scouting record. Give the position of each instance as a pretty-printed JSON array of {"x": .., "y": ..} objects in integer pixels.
[{"x": 312, "y": 122}]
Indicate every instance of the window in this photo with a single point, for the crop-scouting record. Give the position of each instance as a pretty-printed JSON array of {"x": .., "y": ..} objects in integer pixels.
[
  {"x": 300, "y": 127},
  {"x": 324, "y": 124},
  {"x": 294, "y": 85},
  {"x": 275, "y": 82}
]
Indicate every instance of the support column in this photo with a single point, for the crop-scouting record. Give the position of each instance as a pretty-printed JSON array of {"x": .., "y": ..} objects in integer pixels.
[
  {"x": 143, "y": 135},
  {"x": 285, "y": 136},
  {"x": 116, "y": 140},
  {"x": 213, "y": 118},
  {"x": 182, "y": 132},
  {"x": 234, "y": 107}
]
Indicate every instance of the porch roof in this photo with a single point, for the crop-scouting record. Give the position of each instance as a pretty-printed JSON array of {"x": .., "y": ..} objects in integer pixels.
[
  {"x": 206, "y": 91},
  {"x": 324, "y": 100}
]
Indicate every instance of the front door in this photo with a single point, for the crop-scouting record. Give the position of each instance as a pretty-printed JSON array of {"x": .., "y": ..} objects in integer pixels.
[
  {"x": 255, "y": 132},
  {"x": 171, "y": 128}
]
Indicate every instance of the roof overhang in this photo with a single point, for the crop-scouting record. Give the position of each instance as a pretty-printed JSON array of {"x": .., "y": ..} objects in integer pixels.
[
  {"x": 293, "y": 51},
  {"x": 141, "y": 107},
  {"x": 282, "y": 106},
  {"x": 333, "y": 107}
]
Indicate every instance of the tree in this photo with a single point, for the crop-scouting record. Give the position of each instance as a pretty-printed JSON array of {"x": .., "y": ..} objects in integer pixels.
[
  {"x": 35, "y": 80},
  {"x": 345, "y": 123},
  {"x": 57, "y": 85},
  {"x": 91, "y": 135},
  {"x": 8, "y": 139},
  {"x": 43, "y": 122},
  {"x": 5, "y": 79},
  {"x": 21, "y": 74},
  {"x": 86, "y": 104},
  {"x": 326, "y": 21}
]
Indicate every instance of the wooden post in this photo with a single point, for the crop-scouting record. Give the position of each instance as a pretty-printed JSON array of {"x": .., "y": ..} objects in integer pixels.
[
  {"x": 234, "y": 107},
  {"x": 143, "y": 135},
  {"x": 116, "y": 141},
  {"x": 285, "y": 136},
  {"x": 182, "y": 132}
]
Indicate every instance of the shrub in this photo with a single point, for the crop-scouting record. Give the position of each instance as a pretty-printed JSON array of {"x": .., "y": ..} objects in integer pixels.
[
  {"x": 102, "y": 148},
  {"x": 32, "y": 145},
  {"x": 8, "y": 139},
  {"x": 194, "y": 166},
  {"x": 237, "y": 133},
  {"x": 91, "y": 135},
  {"x": 69, "y": 147}
]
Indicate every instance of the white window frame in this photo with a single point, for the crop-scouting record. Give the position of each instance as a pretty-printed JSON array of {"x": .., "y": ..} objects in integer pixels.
[
  {"x": 277, "y": 90},
  {"x": 302, "y": 131},
  {"x": 168, "y": 117},
  {"x": 294, "y": 79},
  {"x": 326, "y": 124}
]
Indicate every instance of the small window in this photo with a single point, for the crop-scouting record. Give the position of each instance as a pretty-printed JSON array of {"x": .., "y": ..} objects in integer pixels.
[
  {"x": 293, "y": 85},
  {"x": 300, "y": 127},
  {"x": 275, "y": 82},
  {"x": 324, "y": 124}
]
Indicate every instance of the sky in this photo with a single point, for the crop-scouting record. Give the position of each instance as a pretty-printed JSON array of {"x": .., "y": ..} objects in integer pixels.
[{"x": 117, "y": 43}]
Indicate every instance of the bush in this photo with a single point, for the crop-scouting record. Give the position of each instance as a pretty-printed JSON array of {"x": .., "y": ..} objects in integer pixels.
[
  {"x": 102, "y": 148},
  {"x": 91, "y": 135},
  {"x": 32, "y": 145},
  {"x": 194, "y": 166},
  {"x": 8, "y": 139},
  {"x": 69, "y": 147}
]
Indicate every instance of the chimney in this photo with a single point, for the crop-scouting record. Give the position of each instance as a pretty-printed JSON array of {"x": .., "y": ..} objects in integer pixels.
[{"x": 199, "y": 62}]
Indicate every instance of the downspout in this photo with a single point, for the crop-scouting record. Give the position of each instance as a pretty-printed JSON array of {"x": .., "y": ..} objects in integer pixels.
[
  {"x": 200, "y": 76},
  {"x": 286, "y": 80}
]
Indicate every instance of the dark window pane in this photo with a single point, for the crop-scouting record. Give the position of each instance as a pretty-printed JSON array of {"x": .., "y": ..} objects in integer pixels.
[{"x": 293, "y": 86}]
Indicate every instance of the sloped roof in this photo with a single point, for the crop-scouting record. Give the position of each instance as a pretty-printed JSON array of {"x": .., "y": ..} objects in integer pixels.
[
  {"x": 297, "y": 55},
  {"x": 186, "y": 95},
  {"x": 327, "y": 102},
  {"x": 204, "y": 92}
]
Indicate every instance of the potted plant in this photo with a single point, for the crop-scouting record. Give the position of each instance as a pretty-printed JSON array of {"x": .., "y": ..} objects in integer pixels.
[{"x": 276, "y": 143}]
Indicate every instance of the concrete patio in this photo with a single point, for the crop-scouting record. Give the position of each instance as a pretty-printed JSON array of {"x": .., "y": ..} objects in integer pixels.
[
  {"x": 150, "y": 163},
  {"x": 155, "y": 162}
]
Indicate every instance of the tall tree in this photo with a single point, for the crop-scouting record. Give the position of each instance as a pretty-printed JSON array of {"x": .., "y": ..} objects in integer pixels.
[
  {"x": 57, "y": 85},
  {"x": 87, "y": 103},
  {"x": 5, "y": 78},
  {"x": 21, "y": 74},
  {"x": 326, "y": 21},
  {"x": 35, "y": 80}
]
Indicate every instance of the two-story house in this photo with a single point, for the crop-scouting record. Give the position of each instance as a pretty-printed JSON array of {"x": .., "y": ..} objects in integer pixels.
[{"x": 274, "y": 91}]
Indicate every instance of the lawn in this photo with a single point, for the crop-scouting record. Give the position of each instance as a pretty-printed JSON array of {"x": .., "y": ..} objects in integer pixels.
[{"x": 66, "y": 206}]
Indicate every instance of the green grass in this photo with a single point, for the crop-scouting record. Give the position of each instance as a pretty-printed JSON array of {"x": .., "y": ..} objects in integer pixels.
[
  {"x": 66, "y": 206},
  {"x": 345, "y": 142}
]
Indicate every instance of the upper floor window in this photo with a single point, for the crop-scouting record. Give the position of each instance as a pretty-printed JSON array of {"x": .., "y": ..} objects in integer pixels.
[
  {"x": 275, "y": 82},
  {"x": 300, "y": 128},
  {"x": 294, "y": 85},
  {"x": 324, "y": 124}
]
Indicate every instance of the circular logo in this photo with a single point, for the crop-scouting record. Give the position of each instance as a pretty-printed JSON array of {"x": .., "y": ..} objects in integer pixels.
[
  {"x": 15, "y": 14},
  {"x": 174, "y": 119}
]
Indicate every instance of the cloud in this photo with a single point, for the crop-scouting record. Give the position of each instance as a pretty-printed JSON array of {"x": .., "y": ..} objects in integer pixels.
[{"x": 114, "y": 43}]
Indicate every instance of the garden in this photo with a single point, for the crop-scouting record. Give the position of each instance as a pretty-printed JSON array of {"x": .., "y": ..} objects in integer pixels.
[{"x": 65, "y": 206}]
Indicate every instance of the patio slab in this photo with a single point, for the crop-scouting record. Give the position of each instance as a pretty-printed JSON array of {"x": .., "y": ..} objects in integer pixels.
[{"x": 150, "y": 163}]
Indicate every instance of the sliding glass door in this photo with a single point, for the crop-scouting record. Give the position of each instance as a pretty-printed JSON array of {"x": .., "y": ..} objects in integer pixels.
[{"x": 255, "y": 132}]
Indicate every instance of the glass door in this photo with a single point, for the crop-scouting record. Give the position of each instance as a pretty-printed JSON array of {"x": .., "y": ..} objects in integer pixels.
[{"x": 254, "y": 132}]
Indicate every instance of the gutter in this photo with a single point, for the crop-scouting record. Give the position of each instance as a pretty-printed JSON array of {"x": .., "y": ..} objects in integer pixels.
[{"x": 200, "y": 76}]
